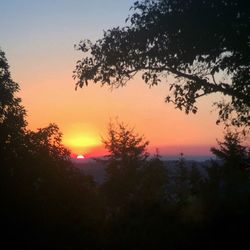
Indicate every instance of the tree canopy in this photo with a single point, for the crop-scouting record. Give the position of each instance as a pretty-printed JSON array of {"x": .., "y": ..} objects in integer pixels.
[
  {"x": 12, "y": 113},
  {"x": 124, "y": 145},
  {"x": 204, "y": 44},
  {"x": 231, "y": 152}
]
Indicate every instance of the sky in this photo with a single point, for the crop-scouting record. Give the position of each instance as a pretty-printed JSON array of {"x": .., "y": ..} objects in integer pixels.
[{"x": 38, "y": 37}]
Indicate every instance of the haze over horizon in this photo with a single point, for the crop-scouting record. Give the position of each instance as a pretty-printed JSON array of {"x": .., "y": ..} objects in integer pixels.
[{"x": 38, "y": 38}]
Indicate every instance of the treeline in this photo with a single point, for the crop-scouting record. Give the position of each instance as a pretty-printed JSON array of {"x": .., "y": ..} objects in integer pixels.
[{"x": 46, "y": 203}]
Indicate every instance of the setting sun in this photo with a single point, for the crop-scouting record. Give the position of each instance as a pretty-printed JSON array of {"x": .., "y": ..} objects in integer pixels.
[{"x": 80, "y": 157}]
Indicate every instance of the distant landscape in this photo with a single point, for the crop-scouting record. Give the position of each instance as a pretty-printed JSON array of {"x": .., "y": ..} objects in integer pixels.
[{"x": 95, "y": 168}]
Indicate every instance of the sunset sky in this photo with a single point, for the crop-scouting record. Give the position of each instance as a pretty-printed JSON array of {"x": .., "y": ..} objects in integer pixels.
[{"x": 38, "y": 37}]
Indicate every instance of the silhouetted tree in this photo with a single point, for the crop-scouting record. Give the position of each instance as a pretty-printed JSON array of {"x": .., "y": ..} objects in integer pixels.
[
  {"x": 124, "y": 145},
  {"x": 127, "y": 154},
  {"x": 135, "y": 191},
  {"x": 196, "y": 179},
  {"x": 153, "y": 182},
  {"x": 233, "y": 169},
  {"x": 224, "y": 197},
  {"x": 186, "y": 182},
  {"x": 203, "y": 44},
  {"x": 12, "y": 134},
  {"x": 12, "y": 115},
  {"x": 231, "y": 152},
  {"x": 47, "y": 141},
  {"x": 181, "y": 180}
]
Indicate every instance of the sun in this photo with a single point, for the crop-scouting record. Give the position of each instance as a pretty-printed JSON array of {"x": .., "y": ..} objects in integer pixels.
[{"x": 80, "y": 157}]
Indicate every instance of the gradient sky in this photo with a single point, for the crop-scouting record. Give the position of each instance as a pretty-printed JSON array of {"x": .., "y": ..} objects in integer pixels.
[{"x": 38, "y": 37}]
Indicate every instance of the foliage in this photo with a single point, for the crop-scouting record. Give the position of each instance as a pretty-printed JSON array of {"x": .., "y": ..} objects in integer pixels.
[
  {"x": 127, "y": 154},
  {"x": 186, "y": 182},
  {"x": 153, "y": 181},
  {"x": 181, "y": 180},
  {"x": 232, "y": 173},
  {"x": 125, "y": 147},
  {"x": 123, "y": 144},
  {"x": 134, "y": 191},
  {"x": 231, "y": 152},
  {"x": 225, "y": 194},
  {"x": 12, "y": 113},
  {"x": 204, "y": 45},
  {"x": 47, "y": 141}
]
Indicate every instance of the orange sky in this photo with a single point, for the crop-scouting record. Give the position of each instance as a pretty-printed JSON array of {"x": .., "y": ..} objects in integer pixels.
[
  {"x": 83, "y": 115},
  {"x": 38, "y": 38}
]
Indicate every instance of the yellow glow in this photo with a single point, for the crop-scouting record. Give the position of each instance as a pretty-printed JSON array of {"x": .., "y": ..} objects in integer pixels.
[
  {"x": 81, "y": 137},
  {"x": 82, "y": 141}
]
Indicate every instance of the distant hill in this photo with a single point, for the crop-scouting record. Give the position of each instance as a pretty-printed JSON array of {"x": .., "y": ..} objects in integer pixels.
[
  {"x": 95, "y": 168},
  {"x": 197, "y": 158}
]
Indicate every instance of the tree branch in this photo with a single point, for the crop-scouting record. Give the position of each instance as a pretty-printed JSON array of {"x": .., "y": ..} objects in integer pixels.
[{"x": 211, "y": 87}]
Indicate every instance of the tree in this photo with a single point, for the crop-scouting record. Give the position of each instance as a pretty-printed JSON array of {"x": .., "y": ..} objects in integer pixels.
[
  {"x": 124, "y": 145},
  {"x": 203, "y": 44},
  {"x": 48, "y": 142},
  {"x": 12, "y": 114},
  {"x": 127, "y": 155},
  {"x": 228, "y": 179},
  {"x": 134, "y": 191},
  {"x": 182, "y": 180},
  {"x": 153, "y": 182},
  {"x": 232, "y": 153}
]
